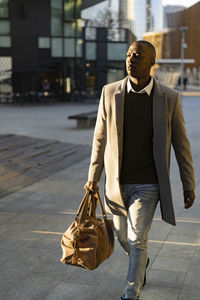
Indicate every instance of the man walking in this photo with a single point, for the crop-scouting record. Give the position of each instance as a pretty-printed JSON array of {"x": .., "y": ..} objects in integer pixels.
[{"x": 138, "y": 120}]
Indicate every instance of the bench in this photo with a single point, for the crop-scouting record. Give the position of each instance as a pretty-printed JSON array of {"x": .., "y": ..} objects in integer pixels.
[{"x": 85, "y": 120}]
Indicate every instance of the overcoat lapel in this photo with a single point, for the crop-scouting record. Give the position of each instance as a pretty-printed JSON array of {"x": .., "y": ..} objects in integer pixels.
[
  {"x": 119, "y": 105},
  {"x": 159, "y": 120}
]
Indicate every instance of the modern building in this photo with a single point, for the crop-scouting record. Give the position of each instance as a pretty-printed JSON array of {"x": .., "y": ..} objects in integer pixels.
[
  {"x": 148, "y": 16},
  {"x": 44, "y": 48},
  {"x": 167, "y": 11},
  {"x": 104, "y": 56},
  {"x": 139, "y": 16},
  {"x": 169, "y": 43}
]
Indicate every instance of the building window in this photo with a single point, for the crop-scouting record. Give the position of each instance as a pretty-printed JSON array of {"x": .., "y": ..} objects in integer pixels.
[
  {"x": 69, "y": 29},
  {"x": 79, "y": 45},
  {"x": 90, "y": 83},
  {"x": 56, "y": 17},
  {"x": 116, "y": 51},
  {"x": 5, "y": 78},
  {"x": 69, "y": 9},
  {"x": 90, "y": 33},
  {"x": 72, "y": 9},
  {"x": 69, "y": 48},
  {"x": 5, "y": 41},
  {"x": 90, "y": 49},
  {"x": 148, "y": 15},
  {"x": 115, "y": 34},
  {"x": 4, "y": 27},
  {"x": 44, "y": 42},
  {"x": 79, "y": 28},
  {"x": 114, "y": 75},
  {"x": 73, "y": 29},
  {"x": 4, "y": 10},
  {"x": 73, "y": 47},
  {"x": 56, "y": 47}
]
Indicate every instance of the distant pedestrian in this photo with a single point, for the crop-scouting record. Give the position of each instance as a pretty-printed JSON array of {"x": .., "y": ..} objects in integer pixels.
[
  {"x": 138, "y": 120},
  {"x": 185, "y": 83},
  {"x": 46, "y": 86}
]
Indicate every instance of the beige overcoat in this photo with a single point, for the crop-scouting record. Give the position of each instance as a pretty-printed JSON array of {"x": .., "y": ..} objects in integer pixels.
[{"x": 168, "y": 128}]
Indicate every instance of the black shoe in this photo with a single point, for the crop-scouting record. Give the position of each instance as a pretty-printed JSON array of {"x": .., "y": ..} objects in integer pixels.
[
  {"x": 122, "y": 298},
  {"x": 145, "y": 272}
]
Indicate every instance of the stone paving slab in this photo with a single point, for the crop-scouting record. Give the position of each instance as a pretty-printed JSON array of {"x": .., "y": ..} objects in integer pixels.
[
  {"x": 191, "y": 285},
  {"x": 174, "y": 251},
  {"x": 171, "y": 279},
  {"x": 25, "y": 160}
]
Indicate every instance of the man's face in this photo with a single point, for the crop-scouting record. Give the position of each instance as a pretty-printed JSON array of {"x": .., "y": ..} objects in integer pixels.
[{"x": 139, "y": 60}]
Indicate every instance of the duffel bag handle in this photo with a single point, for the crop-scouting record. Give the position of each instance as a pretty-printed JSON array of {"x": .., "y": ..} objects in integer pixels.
[
  {"x": 84, "y": 206},
  {"x": 96, "y": 194},
  {"x": 83, "y": 203}
]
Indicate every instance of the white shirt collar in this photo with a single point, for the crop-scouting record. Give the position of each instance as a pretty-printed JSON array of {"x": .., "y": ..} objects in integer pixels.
[{"x": 147, "y": 89}]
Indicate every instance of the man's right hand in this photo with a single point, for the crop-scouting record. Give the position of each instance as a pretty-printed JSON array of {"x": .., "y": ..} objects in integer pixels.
[{"x": 92, "y": 186}]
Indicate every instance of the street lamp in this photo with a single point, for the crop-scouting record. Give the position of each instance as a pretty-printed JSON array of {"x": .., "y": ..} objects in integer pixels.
[{"x": 183, "y": 29}]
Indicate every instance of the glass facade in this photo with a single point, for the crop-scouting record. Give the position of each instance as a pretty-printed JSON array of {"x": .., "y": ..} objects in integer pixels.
[
  {"x": 114, "y": 75},
  {"x": 5, "y": 38},
  {"x": 70, "y": 29},
  {"x": 4, "y": 27},
  {"x": 5, "y": 78},
  {"x": 69, "y": 46},
  {"x": 90, "y": 82},
  {"x": 5, "y": 41},
  {"x": 56, "y": 17},
  {"x": 90, "y": 33},
  {"x": 44, "y": 42},
  {"x": 73, "y": 29},
  {"x": 156, "y": 15},
  {"x": 66, "y": 25},
  {"x": 79, "y": 46},
  {"x": 72, "y": 9},
  {"x": 116, "y": 51},
  {"x": 116, "y": 34},
  {"x": 4, "y": 9},
  {"x": 56, "y": 47},
  {"x": 89, "y": 60},
  {"x": 90, "y": 50},
  {"x": 69, "y": 9},
  {"x": 139, "y": 23},
  {"x": 148, "y": 16},
  {"x": 66, "y": 39},
  {"x": 72, "y": 47},
  {"x": 79, "y": 28}
]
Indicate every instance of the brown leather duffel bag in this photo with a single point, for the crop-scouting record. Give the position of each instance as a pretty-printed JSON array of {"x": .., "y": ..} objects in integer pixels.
[{"x": 90, "y": 239}]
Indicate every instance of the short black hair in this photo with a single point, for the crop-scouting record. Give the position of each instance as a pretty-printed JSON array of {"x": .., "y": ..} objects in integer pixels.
[{"x": 148, "y": 44}]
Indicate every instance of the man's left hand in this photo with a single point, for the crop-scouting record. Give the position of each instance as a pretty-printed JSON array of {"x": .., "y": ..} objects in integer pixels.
[{"x": 189, "y": 197}]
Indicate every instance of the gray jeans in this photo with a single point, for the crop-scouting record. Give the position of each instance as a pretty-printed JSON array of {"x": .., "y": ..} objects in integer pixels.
[{"x": 132, "y": 231}]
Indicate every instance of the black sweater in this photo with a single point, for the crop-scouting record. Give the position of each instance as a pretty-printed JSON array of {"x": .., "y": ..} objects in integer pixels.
[{"x": 138, "y": 165}]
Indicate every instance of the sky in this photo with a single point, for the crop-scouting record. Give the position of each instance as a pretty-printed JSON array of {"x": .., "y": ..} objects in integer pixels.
[{"x": 186, "y": 3}]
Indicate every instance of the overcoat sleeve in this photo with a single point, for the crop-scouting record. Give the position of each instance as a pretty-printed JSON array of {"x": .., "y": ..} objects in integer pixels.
[
  {"x": 99, "y": 142},
  {"x": 181, "y": 147}
]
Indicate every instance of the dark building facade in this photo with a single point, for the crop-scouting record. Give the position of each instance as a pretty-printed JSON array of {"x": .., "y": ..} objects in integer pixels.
[{"x": 44, "y": 48}]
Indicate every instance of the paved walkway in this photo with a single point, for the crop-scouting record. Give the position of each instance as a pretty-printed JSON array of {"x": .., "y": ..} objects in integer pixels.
[{"x": 33, "y": 219}]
